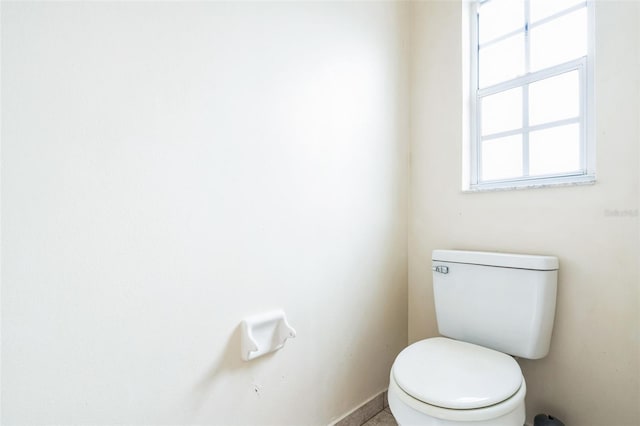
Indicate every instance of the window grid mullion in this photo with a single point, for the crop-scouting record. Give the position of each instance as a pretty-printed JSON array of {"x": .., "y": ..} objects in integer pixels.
[
  {"x": 531, "y": 78},
  {"x": 583, "y": 116},
  {"x": 558, "y": 15},
  {"x": 476, "y": 148},
  {"x": 531, "y": 25},
  {"x": 525, "y": 133},
  {"x": 535, "y": 128},
  {"x": 527, "y": 43},
  {"x": 525, "y": 92}
]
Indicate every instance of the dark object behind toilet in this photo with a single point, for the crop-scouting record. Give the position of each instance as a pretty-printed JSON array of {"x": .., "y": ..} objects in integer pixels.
[{"x": 546, "y": 420}]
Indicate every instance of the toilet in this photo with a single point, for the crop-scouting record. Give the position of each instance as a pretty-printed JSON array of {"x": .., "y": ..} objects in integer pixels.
[{"x": 490, "y": 308}]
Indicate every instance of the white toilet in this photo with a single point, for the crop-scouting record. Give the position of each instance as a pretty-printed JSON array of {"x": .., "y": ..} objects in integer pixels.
[{"x": 490, "y": 306}]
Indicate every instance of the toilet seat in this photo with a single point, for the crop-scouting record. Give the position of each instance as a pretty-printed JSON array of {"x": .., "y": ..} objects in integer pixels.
[
  {"x": 458, "y": 381},
  {"x": 479, "y": 414},
  {"x": 457, "y": 375}
]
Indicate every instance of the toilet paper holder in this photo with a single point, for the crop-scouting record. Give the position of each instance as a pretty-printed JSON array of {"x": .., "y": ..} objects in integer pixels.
[{"x": 264, "y": 333}]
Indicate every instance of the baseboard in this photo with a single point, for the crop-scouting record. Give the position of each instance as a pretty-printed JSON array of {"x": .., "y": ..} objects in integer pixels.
[{"x": 363, "y": 413}]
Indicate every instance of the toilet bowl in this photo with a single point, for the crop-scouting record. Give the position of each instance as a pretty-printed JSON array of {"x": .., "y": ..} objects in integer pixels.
[{"x": 444, "y": 382}]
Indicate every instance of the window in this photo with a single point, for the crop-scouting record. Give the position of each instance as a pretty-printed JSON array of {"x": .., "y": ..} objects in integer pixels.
[{"x": 531, "y": 93}]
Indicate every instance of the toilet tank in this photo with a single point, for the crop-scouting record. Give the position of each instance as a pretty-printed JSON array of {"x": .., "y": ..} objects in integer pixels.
[{"x": 501, "y": 301}]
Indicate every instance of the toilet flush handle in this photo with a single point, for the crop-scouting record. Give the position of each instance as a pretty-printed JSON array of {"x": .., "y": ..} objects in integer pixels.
[{"x": 441, "y": 269}]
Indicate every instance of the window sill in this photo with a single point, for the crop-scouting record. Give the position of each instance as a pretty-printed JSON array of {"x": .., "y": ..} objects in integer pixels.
[{"x": 532, "y": 183}]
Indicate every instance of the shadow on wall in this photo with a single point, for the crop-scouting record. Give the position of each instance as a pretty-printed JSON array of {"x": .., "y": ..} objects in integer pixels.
[{"x": 228, "y": 362}]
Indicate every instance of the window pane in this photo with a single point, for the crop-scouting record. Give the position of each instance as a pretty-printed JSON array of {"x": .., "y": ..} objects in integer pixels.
[
  {"x": 502, "y": 158},
  {"x": 499, "y": 17},
  {"x": 554, "y": 98},
  {"x": 541, "y": 9},
  {"x": 502, "y": 111},
  {"x": 554, "y": 150},
  {"x": 501, "y": 61},
  {"x": 559, "y": 41}
]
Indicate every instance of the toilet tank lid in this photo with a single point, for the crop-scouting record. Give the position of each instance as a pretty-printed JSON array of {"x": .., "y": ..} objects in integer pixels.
[{"x": 505, "y": 260}]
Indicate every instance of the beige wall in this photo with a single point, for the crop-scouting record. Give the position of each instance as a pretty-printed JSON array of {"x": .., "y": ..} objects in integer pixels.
[
  {"x": 591, "y": 376},
  {"x": 171, "y": 167}
]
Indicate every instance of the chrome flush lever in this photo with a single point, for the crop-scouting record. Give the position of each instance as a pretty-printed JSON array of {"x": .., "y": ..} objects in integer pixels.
[{"x": 442, "y": 269}]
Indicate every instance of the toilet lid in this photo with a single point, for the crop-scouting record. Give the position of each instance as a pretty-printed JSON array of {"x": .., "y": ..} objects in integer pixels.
[{"x": 456, "y": 375}]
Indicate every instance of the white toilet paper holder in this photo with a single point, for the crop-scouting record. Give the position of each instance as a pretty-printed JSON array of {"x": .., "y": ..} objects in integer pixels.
[{"x": 264, "y": 333}]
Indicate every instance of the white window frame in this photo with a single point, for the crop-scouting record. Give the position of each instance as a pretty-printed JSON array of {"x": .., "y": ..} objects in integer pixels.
[{"x": 585, "y": 68}]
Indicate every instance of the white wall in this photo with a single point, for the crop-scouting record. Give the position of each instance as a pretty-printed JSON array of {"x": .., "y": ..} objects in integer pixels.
[
  {"x": 169, "y": 168},
  {"x": 591, "y": 376}
]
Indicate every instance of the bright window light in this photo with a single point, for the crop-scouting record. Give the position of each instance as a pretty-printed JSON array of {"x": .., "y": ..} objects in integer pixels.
[{"x": 532, "y": 93}]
